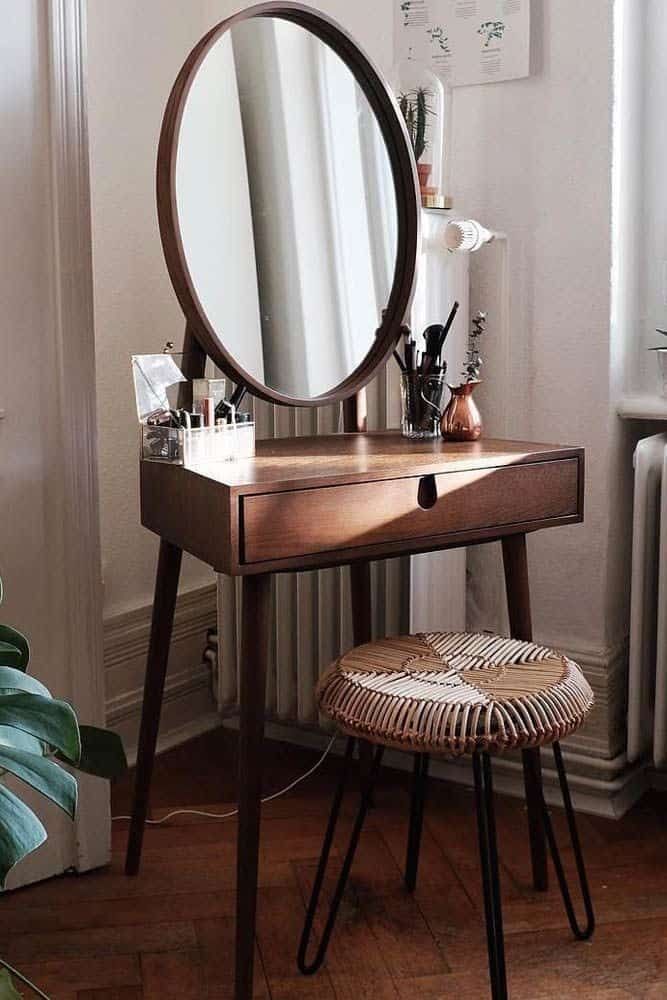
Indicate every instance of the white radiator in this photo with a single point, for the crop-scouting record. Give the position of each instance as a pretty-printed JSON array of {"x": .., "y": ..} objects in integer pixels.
[{"x": 647, "y": 680}]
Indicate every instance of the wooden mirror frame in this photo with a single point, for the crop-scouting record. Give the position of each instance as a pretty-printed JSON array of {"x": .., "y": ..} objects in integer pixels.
[{"x": 406, "y": 188}]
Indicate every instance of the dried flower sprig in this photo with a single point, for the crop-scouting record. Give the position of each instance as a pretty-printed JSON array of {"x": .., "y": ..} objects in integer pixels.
[{"x": 474, "y": 360}]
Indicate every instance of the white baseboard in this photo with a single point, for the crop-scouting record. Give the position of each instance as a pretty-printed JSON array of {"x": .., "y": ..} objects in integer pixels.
[
  {"x": 189, "y": 708},
  {"x": 596, "y": 796},
  {"x": 603, "y": 735}
]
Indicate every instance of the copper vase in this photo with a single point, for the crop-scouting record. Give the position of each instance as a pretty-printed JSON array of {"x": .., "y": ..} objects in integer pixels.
[{"x": 462, "y": 420}]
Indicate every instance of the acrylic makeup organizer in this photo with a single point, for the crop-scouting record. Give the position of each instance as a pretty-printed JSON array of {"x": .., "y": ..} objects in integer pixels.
[{"x": 159, "y": 386}]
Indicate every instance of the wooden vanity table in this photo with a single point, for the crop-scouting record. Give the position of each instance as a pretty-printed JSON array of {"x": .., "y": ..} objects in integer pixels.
[
  {"x": 314, "y": 502},
  {"x": 309, "y": 502}
]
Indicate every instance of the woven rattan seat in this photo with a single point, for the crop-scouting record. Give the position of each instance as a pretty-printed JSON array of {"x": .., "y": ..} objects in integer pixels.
[{"x": 455, "y": 692}]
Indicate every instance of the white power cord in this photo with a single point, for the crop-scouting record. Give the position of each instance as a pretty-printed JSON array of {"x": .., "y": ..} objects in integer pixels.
[{"x": 234, "y": 812}]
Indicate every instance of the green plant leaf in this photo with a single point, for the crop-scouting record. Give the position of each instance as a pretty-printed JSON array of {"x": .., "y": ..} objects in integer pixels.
[
  {"x": 14, "y": 648},
  {"x": 102, "y": 753},
  {"x": 20, "y": 832},
  {"x": 10, "y": 737},
  {"x": 7, "y": 988},
  {"x": 42, "y": 774},
  {"x": 48, "y": 719},
  {"x": 13, "y": 680}
]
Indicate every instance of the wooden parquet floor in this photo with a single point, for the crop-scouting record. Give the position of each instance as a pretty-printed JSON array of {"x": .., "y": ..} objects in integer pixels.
[{"x": 169, "y": 932}]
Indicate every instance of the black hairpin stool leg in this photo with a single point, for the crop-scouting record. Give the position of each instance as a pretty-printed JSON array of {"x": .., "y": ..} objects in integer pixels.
[
  {"x": 582, "y": 934},
  {"x": 488, "y": 853},
  {"x": 418, "y": 799},
  {"x": 309, "y": 968}
]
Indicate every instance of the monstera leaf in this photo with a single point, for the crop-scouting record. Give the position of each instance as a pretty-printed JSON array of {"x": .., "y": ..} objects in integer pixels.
[
  {"x": 14, "y": 648},
  {"x": 7, "y": 989},
  {"x": 37, "y": 734}
]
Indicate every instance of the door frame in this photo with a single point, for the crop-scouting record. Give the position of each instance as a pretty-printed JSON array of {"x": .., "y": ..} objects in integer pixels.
[{"x": 74, "y": 350}]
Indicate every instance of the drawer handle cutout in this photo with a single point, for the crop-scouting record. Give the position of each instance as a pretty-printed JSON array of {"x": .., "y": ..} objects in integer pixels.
[{"x": 427, "y": 493}]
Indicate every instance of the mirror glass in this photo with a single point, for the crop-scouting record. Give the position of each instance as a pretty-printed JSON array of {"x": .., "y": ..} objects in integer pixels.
[{"x": 286, "y": 206}]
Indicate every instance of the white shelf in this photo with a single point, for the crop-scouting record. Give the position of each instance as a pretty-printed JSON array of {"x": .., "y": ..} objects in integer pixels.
[{"x": 642, "y": 407}]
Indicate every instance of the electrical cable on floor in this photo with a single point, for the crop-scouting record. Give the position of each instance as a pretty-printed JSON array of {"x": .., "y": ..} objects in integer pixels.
[{"x": 234, "y": 812}]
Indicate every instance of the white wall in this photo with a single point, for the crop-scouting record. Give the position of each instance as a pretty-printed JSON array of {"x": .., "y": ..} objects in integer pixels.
[
  {"x": 134, "y": 53},
  {"x": 534, "y": 158}
]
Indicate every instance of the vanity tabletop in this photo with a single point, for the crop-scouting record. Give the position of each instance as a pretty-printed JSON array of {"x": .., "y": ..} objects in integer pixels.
[
  {"x": 307, "y": 502},
  {"x": 334, "y": 459}
]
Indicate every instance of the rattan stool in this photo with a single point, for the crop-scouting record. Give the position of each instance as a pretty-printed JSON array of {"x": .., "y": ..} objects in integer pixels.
[{"x": 453, "y": 693}]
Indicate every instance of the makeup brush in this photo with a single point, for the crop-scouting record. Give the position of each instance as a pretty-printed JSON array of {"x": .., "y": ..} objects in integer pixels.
[
  {"x": 445, "y": 330},
  {"x": 410, "y": 356},
  {"x": 435, "y": 336},
  {"x": 399, "y": 360},
  {"x": 432, "y": 336}
]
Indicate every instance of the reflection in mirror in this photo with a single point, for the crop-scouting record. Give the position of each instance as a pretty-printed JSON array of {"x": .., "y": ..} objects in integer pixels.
[{"x": 286, "y": 206}]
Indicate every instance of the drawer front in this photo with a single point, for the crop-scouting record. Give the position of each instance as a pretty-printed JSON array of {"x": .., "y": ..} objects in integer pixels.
[{"x": 302, "y": 522}]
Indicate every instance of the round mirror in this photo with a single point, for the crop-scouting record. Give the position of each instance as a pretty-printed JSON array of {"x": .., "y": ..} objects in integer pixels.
[{"x": 288, "y": 205}]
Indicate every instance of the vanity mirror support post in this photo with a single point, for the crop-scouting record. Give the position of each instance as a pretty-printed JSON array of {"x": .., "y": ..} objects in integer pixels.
[{"x": 518, "y": 604}]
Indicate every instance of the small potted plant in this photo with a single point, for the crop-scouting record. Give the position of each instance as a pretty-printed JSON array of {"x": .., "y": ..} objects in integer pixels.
[
  {"x": 421, "y": 99},
  {"x": 416, "y": 107}
]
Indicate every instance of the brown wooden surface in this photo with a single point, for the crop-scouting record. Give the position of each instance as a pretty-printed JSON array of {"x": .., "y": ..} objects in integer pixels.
[
  {"x": 303, "y": 522},
  {"x": 362, "y": 619},
  {"x": 355, "y": 413},
  {"x": 338, "y": 459},
  {"x": 166, "y": 588},
  {"x": 256, "y": 611},
  {"x": 355, "y": 421},
  {"x": 515, "y": 562},
  {"x": 169, "y": 932},
  {"x": 201, "y": 511}
]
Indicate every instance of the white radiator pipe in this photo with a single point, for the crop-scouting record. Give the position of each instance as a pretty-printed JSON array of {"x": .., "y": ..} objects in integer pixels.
[
  {"x": 466, "y": 236},
  {"x": 462, "y": 236}
]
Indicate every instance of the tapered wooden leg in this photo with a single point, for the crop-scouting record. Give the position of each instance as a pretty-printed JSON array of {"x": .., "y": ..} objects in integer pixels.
[
  {"x": 166, "y": 587},
  {"x": 360, "y": 580},
  {"x": 355, "y": 421},
  {"x": 256, "y": 610},
  {"x": 518, "y": 603}
]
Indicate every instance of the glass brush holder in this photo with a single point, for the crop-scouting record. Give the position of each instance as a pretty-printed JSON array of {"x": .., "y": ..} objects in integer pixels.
[{"x": 421, "y": 404}]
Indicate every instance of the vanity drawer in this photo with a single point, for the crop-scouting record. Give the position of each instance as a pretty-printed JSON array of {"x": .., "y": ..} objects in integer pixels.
[{"x": 301, "y": 522}]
